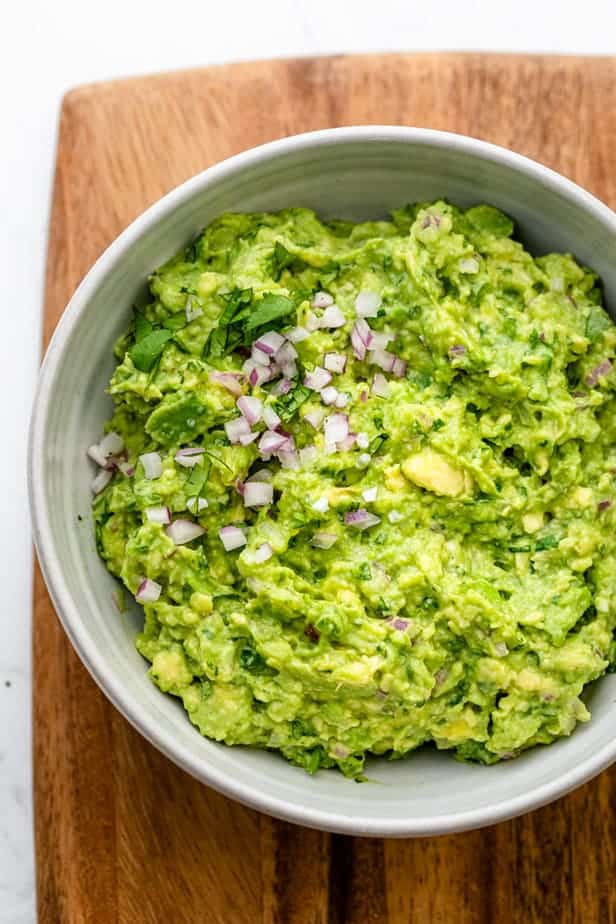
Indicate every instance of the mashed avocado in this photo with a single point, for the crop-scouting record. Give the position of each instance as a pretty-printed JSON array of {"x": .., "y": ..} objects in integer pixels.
[{"x": 361, "y": 477}]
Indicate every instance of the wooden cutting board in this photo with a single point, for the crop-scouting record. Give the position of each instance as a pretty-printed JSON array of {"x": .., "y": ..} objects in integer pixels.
[{"x": 122, "y": 835}]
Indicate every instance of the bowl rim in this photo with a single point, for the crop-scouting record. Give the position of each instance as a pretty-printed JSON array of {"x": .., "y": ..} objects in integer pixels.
[{"x": 68, "y": 612}]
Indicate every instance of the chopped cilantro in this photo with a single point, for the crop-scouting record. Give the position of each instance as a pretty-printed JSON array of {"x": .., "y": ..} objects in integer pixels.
[
  {"x": 148, "y": 348},
  {"x": 286, "y": 405}
]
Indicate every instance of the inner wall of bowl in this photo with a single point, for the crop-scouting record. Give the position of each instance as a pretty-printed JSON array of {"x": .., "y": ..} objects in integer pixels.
[{"x": 350, "y": 180}]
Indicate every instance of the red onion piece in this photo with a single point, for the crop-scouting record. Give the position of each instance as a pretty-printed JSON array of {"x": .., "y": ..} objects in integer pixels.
[
  {"x": 228, "y": 380},
  {"x": 329, "y": 395},
  {"x": 152, "y": 465},
  {"x": 283, "y": 387},
  {"x": 251, "y": 408},
  {"x": 361, "y": 338},
  {"x": 286, "y": 354},
  {"x": 323, "y": 540},
  {"x": 263, "y": 553},
  {"x": 457, "y": 349},
  {"x": 126, "y": 468},
  {"x": 308, "y": 454},
  {"x": 361, "y": 519},
  {"x": 271, "y": 442},
  {"x": 258, "y": 494},
  {"x": 380, "y": 386},
  {"x": 322, "y": 300},
  {"x": 236, "y": 428},
  {"x": 288, "y": 458},
  {"x": 347, "y": 443},
  {"x": 367, "y": 304},
  {"x": 182, "y": 531},
  {"x": 400, "y": 625},
  {"x": 97, "y": 455},
  {"x": 190, "y": 457},
  {"x": 269, "y": 343},
  {"x": 603, "y": 369},
  {"x": 342, "y": 399},
  {"x": 312, "y": 322},
  {"x": 148, "y": 591},
  {"x": 297, "y": 334},
  {"x": 380, "y": 339},
  {"x": 101, "y": 480},
  {"x": 335, "y": 362},
  {"x": 270, "y": 417},
  {"x": 370, "y": 494},
  {"x": 247, "y": 438},
  {"x": 363, "y": 440},
  {"x": 160, "y": 515},
  {"x": 336, "y": 428},
  {"x": 399, "y": 368},
  {"x": 262, "y": 474},
  {"x": 231, "y": 537},
  {"x": 317, "y": 379},
  {"x": 384, "y": 359},
  {"x": 363, "y": 396},
  {"x": 333, "y": 318},
  {"x": 111, "y": 444}
]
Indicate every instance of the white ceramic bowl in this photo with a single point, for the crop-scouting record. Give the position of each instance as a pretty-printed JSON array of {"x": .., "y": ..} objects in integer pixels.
[{"x": 349, "y": 173}]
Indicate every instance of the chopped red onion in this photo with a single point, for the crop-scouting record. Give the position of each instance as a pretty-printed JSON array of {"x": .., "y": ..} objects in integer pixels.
[
  {"x": 263, "y": 553},
  {"x": 400, "y": 625},
  {"x": 603, "y": 369},
  {"x": 323, "y": 540},
  {"x": 317, "y": 379},
  {"x": 501, "y": 649},
  {"x": 347, "y": 443},
  {"x": 236, "y": 428},
  {"x": 335, "y": 362},
  {"x": 289, "y": 370},
  {"x": 126, "y": 468},
  {"x": 283, "y": 387},
  {"x": 231, "y": 537},
  {"x": 192, "y": 309},
  {"x": 286, "y": 354},
  {"x": 367, "y": 304},
  {"x": 258, "y": 374},
  {"x": 342, "y": 399},
  {"x": 370, "y": 494},
  {"x": 228, "y": 380},
  {"x": 336, "y": 428},
  {"x": 361, "y": 519},
  {"x": 160, "y": 515},
  {"x": 441, "y": 676},
  {"x": 188, "y": 458},
  {"x": 361, "y": 338},
  {"x": 363, "y": 440},
  {"x": 101, "y": 480},
  {"x": 288, "y": 458},
  {"x": 458, "y": 349},
  {"x": 329, "y": 395},
  {"x": 399, "y": 368},
  {"x": 259, "y": 356},
  {"x": 269, "y": 343},
  {"x": 394, "y": 516},
  {"x": 182, "y": 531},
  {"x": 364, "y": 459},
  {"x": 297, "y": 334},
  {"x": 340, "y": 751},
  {"x": 152, "y": 465},
  {"x": 247, "y": 438},
  {"x": 271, "y": 442},
  {"x": 312, "y": 322},
  {"x": 363, "y": 396},
  {"x": 380, "y": 339},
  {"x": 270, "y": 417},
  {"x": 384, "y": 359},
  {"x": 148, "y": 591},
  {"x": 251, "y": 408},
  {"x": 380, "y": 386},
  {"x": 258, "y": 494},
  {"x": 96, "y": 454},
  {"x": 322, "y": 300},
  {"x": 315, "y": 418},
  {"x": 333, "y": 317},
  {"x": 111, "y": 444},
  {"x": 196, "y": 505},
  {"x": 321, "y": 505}
]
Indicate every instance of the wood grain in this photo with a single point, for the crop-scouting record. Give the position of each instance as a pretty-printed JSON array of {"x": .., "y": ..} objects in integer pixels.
[{"x": 122, "y": 835}]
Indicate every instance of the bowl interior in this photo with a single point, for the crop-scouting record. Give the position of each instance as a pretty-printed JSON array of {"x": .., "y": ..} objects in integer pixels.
[{"x": 349, "y": 175}]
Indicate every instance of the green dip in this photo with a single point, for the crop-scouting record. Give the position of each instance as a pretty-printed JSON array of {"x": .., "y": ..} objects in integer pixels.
[{"x": 435, "y": 560}]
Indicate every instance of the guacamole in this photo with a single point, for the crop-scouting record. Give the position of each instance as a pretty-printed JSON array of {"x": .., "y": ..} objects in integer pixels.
[{"x": 362, "y": 479}]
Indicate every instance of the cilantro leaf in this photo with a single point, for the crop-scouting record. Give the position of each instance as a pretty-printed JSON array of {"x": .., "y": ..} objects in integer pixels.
[
  {"x": 286, "y": 405},
  {"x": 148, "y": 348},
  {"x": 281, "y": 259},
  {"x": 269, "y": 309},
  {"x": 143, "y": 327}
]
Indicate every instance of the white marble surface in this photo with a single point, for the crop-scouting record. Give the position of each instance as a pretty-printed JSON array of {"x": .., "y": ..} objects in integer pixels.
[{"x": 48, "y": 47}]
